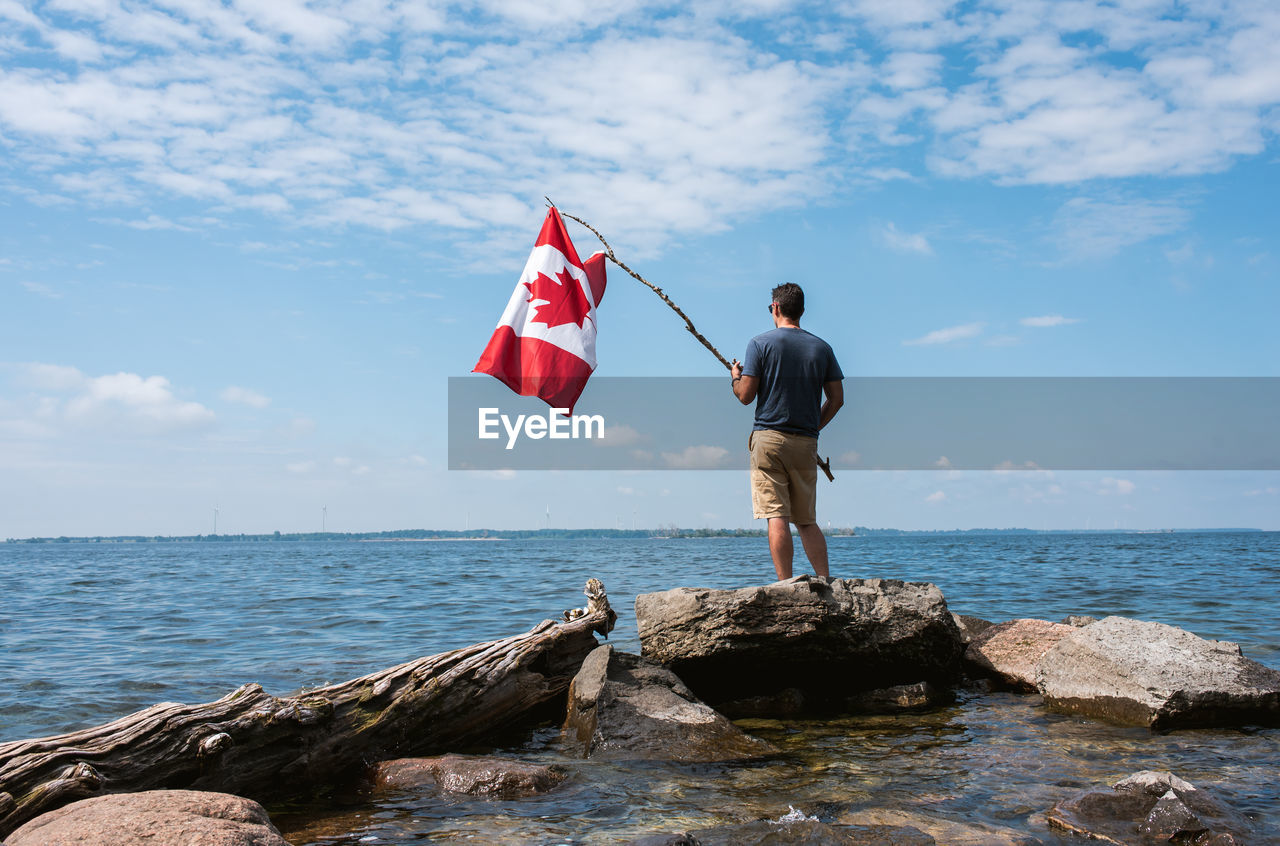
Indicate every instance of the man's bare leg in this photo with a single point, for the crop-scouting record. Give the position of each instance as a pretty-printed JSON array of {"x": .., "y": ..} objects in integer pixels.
[
  {"x": 815, "y": 547},
  {"x": 780, "y": 546}
]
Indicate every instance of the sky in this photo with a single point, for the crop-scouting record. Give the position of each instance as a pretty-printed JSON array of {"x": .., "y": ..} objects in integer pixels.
[{"x": 244, "y": 245}]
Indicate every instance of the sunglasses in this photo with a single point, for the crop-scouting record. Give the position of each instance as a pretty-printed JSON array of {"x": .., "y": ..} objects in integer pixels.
[{"x": 771, "y": 305}]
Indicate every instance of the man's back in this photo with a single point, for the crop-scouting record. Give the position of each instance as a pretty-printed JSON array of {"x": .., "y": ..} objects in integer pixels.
[{"x": 792, "y": 366}]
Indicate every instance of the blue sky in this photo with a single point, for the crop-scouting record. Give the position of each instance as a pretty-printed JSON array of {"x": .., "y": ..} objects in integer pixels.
[{"x": 244, "y": 245}]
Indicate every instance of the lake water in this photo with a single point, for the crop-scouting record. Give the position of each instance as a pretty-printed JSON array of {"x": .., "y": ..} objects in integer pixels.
[{"x": 89, "y": 633}]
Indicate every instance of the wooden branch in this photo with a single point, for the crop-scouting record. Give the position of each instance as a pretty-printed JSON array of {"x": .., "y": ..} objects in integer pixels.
[
  {"x": 688, "y": 324},
  {"x": 266, "y": 748}
]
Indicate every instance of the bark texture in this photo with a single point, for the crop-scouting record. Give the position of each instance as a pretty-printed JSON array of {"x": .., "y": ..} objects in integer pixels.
[{"x": 268, "y": 748}]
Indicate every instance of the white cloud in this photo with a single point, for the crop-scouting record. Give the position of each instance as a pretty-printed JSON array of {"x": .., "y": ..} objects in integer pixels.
[
  {"x": 244, "y": 396},
  {"x": 300, "y": 467},
  {"x": 936, "y": 497},
  {"x": 284, "y": 109},
  {"x": 1098, "y": 228},
  {"x": 905, "y": 242},
  {"x": 1009, "y": 466},
  {"x": 648, "y": 119},
  {"x": 1048, "y": 320},
  {"x": 49, "y": 377},
  {"x": 300, "y": 427},
  {"x": 620, "y": 435},
  {"x": 909, "y": 70},
  {"x": 41, "y": 289},
  {"x": 948, "y": 335},
  {"x": 126, "y": 399},
  {"x": 700, "y": 457},
  {"x": 1119, "y": 487},
  {"x": 126, "y": 402}
]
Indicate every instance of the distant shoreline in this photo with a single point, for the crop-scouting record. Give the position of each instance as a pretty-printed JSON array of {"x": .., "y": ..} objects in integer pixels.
[
  {"x": 669, "y": 532},
  {"x": 426, "y": 540}
]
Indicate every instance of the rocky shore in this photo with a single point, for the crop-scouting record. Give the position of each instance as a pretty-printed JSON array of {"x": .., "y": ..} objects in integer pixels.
[{"x": 801, "y": 649}]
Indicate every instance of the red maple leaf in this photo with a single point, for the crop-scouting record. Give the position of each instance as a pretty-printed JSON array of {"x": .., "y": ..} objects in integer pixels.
[{"x": 564, "y": 301}]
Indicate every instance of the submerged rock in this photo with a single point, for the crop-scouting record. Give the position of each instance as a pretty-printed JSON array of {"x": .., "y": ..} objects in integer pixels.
[
  {"x": 948, "y": 831},
  {"x": 622, "y": 706},
  {"x": 472, "y": 774},
  {"x": 1152, "y": 807},
  {"x": 903, "y": 697},
  {"x": 153, "y": 817},
  {"x": 829, "y": 640},
  {"x": 1011, "y": 652},
  {"x": 793, "y": 833},
  {"x": 784, "y": 703},
  {"x": 1155, "y": 675}
]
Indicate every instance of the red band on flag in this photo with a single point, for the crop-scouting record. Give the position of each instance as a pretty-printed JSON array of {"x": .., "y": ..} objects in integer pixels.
[
  {"x": 594, "y": 267},
  {"x": 534, "y": 368}
]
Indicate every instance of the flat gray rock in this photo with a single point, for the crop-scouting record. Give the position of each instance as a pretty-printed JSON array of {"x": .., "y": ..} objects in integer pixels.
[
  {"x": 828, "y": 640},
  {"x": 187, "y": 817},
  {"x": 1151, "y": 674},
  {"x": 1011, "y": 652},
  {"x": 622, "y": 706}
]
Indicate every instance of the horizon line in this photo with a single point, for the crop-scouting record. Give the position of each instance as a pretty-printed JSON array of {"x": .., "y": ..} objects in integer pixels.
[{"x": 659, "y": 531}]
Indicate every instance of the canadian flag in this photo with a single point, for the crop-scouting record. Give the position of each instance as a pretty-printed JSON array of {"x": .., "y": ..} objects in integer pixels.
[{"x": 545, "y": 343}]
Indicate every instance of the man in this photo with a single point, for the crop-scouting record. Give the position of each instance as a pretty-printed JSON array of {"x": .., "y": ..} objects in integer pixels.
[{"x": 788, "y": 372}]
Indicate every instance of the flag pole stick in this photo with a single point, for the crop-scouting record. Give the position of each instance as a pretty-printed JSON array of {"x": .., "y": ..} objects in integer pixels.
[{"x": 688, "y": 324}]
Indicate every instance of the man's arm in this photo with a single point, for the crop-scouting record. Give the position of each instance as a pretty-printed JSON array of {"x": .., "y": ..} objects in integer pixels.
[
  {"x": 744, "y": 387},
  {"x": 834, "y": 392}
]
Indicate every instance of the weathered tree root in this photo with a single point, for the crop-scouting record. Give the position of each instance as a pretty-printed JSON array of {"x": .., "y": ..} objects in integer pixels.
[{"x": 267, "y": 748}]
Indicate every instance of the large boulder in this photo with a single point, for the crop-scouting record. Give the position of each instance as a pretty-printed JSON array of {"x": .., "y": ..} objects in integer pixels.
[
  {"x": 830, "y": 640},
  {"x": 188, "y": 817},
  {"x": 1151, "y": 674},
  {"x": 1011, "y": 652},
  {"x": 622, "y": 706},
  {"x": 1152, "y": 807},
  {"x": 477, "y": 775}
]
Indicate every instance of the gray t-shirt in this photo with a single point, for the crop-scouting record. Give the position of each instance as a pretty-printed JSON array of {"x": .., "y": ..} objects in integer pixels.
[{"x": 792, "y": 366}]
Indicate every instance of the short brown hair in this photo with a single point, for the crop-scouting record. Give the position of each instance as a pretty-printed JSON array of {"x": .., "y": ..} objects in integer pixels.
[{"x": 790, "y": 300}]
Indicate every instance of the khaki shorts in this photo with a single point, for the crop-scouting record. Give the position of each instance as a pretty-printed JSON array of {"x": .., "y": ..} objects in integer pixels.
[{"x": 784, "y": 476}]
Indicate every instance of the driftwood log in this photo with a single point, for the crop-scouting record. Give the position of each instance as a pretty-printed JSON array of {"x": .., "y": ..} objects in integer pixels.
[{"x": 256, "y": 745}]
